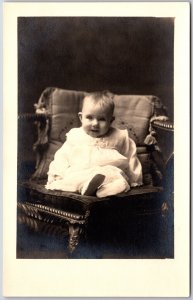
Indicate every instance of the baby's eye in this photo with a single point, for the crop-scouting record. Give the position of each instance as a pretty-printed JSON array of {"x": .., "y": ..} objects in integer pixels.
[
  {"x": 89, "y": 117},
  {"x": 102, "y": 119}
]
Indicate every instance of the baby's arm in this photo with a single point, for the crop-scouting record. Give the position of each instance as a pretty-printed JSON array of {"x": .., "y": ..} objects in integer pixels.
[
  {"x": 52, "y": 178},
  {"x": 60, "y": 163},
  {"x": 134, "y": 166}
]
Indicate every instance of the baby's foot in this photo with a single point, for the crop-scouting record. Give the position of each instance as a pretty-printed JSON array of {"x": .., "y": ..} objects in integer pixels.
[
  {"x": 90, "y": 187},
  {"x": 113, "y": 188}
]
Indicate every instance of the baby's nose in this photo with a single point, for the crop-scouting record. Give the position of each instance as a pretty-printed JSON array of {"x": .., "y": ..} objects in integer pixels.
[{"x": 95, "y": 122}]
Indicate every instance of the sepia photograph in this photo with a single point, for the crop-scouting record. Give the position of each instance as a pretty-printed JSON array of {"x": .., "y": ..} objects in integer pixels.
[
  {"x": 96, "y": 180},
  {"x": 95, "y": 137}
]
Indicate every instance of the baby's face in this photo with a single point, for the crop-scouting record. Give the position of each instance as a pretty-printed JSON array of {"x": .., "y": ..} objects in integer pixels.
[{"x": 95, "y": 120}]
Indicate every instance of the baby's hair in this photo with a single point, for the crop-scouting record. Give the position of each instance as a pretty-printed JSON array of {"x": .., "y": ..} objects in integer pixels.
[{"x": 103, "y": 98}]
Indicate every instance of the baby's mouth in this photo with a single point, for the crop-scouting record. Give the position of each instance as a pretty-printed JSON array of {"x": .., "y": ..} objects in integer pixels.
[{"x": 95, "y": 130}]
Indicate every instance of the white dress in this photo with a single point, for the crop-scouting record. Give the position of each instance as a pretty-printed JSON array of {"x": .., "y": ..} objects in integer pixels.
[{"x": 81, "y": 157}]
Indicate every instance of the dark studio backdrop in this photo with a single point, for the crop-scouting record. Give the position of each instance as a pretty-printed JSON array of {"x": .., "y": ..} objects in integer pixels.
[{"x": 122, "y": 54}]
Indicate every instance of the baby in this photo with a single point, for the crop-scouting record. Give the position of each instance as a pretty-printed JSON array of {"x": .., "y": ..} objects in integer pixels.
[{"x": 96, "y": 159}]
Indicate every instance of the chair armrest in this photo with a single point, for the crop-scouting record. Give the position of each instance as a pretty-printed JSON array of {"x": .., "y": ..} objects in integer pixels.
[
  {"x": 32, "y": 117},
  {"x": 164, "y": 131},
  {"x": 41, "y": 120},
  {"x": 167, "y": 125},
  {"x": 165, "y": 138}
]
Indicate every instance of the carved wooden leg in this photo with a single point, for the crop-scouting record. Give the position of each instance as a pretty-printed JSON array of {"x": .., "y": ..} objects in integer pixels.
[
  {"x": 168, "y": 227},
  {"x": 164, "y": 209},
  {"x": 75, "y": 231}
]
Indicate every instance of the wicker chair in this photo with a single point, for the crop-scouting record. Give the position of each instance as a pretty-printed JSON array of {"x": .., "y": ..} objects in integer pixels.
[{"x": 147, "y": 123}]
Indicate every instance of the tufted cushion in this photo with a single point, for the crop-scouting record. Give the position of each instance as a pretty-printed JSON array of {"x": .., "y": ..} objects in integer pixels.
[
  {"x": 132, "y": 112},
  {"x": 65, "y": 106}
]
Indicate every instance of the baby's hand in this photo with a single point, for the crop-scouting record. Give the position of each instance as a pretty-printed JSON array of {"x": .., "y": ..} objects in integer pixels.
[{"x": 52, "y": 178}]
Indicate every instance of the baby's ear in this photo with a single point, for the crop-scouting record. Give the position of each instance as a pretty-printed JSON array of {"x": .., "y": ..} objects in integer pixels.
[
  {"x": 113, "y": 118},
  {"x": 80, "y": 116}
]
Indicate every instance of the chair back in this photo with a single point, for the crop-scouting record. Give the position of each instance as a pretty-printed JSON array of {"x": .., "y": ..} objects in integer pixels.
[{"x": 61, "y": 107}]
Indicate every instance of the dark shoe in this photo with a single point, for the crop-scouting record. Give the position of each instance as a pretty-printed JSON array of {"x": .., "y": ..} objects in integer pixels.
[{"x": 92, "y": 186}]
